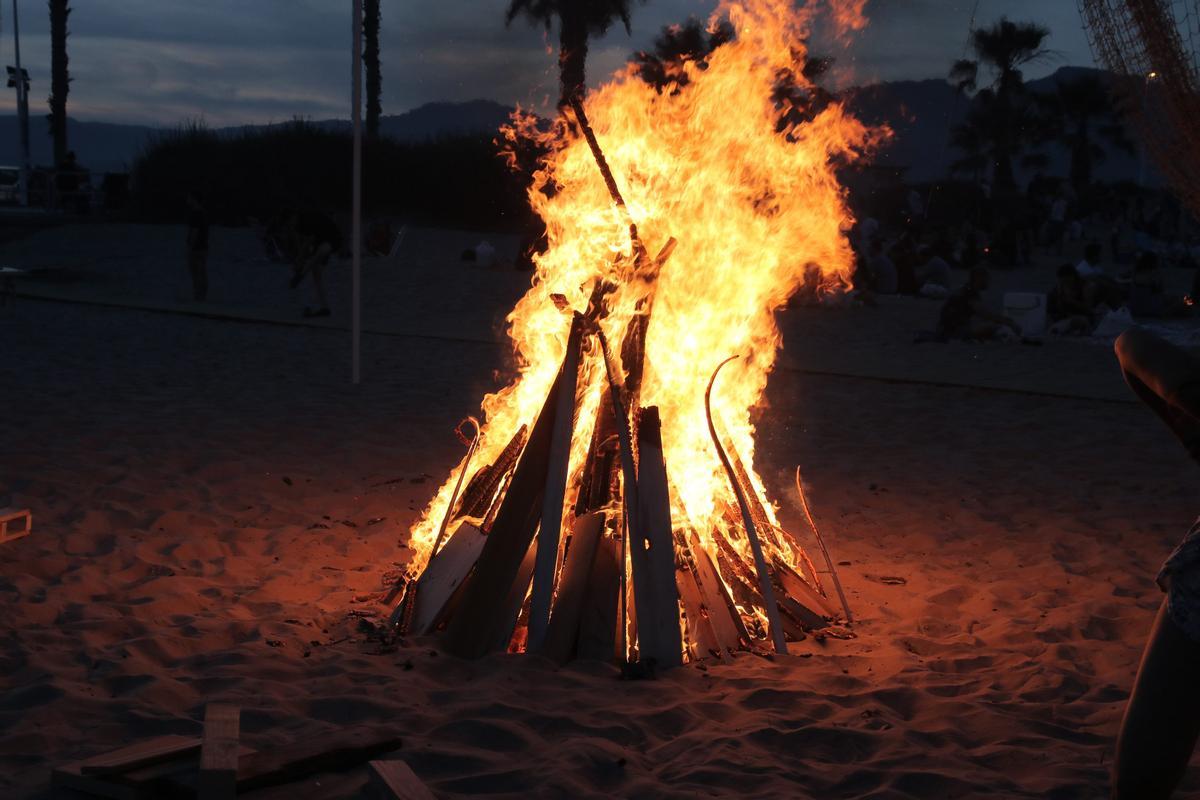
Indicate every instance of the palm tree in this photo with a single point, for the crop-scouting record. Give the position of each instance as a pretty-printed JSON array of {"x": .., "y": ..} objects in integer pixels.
[
  {"x": 1081, "y": 111},
  {"x": 577, "y": 21},
  {"x": 374, "y": 79},
  {"x": 676, "y": 44},
  {"x": 799, "y": 97},
  {"x": 60, "y": 79},
  {"x": 1004, "y": 49}
]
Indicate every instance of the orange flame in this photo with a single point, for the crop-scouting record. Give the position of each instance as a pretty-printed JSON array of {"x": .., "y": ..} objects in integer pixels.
[{"x": 752, "y": 201}]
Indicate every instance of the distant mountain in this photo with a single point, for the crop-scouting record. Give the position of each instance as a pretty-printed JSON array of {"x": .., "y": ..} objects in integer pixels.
[
  {"x": 108, "y": 147},
  {"x": 920, "y": 113}
]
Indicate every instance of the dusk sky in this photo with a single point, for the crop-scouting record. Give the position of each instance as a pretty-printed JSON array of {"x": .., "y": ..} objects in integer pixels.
[{"x": 232, "y": 61}]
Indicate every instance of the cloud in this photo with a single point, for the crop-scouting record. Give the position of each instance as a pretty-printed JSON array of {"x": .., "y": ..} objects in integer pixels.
[{"x": 234, "y": 61}]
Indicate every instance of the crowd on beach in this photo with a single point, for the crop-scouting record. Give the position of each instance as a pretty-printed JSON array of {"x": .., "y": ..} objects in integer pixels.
[{"x": 1128, "y": 239}]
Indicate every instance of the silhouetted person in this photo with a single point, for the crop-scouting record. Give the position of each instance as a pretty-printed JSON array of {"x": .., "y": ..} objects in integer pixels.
[
  {"x": 197, "y": 246},
  {"x": 306, "y": 239},
  {"x": 1067, "y": 308},
  {"x": 1162, "y": 719},
  {"x": 964, "y": 315}
]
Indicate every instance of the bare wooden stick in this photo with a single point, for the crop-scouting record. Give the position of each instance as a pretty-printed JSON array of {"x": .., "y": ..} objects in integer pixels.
[
  {"x": 606, "y": 172},
  {"x": 462, "y": 473},
  {"x": 760, "y": 561},
  {"x": 837, "y": 583}
]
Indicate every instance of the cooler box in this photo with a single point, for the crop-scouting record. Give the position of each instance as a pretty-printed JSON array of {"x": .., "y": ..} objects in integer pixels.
[{"x": 1028, "y": 310}]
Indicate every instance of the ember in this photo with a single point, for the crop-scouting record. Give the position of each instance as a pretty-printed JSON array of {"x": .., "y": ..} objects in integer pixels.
[{"x": 609, "y": 505}]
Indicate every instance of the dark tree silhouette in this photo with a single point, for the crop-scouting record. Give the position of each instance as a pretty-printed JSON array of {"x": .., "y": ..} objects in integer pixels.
[
  {"x": 374, "y": 78},
  {"x": 1007, "y": 111},
  {"x": 797, "y": 92},
  {"x": 676, "y": 45},
  {"x": 578, "y": 20},
  {"x": 1081, "y": 119},
  {"x": 60, "y": 78}
]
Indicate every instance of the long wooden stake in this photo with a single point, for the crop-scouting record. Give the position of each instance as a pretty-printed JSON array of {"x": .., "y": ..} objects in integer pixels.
[
  {"x": 437, "y": 543},
  {"x": 760, "y": 562},
  {"x": 556, "y": 488},
  {"x": 837, "y": 583}
]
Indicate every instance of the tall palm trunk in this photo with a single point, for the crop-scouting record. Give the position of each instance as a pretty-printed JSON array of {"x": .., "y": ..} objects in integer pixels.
[
  {"x": 374, "y": 79},
  {"x": 60, "y": 79},
  {"x": 572, "y": 55}
]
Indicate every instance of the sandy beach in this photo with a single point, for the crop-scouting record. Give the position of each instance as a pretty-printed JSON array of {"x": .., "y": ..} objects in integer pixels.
[{"x": 216, "y": 511}]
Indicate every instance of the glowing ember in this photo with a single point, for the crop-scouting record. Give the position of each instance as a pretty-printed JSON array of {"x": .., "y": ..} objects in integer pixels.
[{"x": 752, "y": 201}]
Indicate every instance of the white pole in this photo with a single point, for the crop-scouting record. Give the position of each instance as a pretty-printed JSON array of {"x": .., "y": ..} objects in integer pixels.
[
  {"x": 356, "y": 203},
  {"x": 22, "y": 109}
]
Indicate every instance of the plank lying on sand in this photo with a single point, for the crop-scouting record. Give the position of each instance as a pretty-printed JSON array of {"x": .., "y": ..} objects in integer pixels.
[
  {"x": 141, "y": 754},
  {"x": 138, "y": 771},
  {"x": 219, "y": 753},
  {"x": 8, "y": 523},
  {"x": 395, "y": 780}
]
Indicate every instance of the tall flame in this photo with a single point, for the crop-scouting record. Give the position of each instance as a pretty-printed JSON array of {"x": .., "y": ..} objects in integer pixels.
[{"x": 753, "y": 199}]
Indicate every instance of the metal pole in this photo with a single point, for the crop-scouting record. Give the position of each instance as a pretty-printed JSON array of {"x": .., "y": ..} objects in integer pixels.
[
  {"x": 22, "y": 109},
  {"x": 356, "y": 204}
]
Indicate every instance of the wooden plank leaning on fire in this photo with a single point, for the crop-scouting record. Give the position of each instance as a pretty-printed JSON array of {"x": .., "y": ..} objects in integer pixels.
[
  {"x": 562, "y": 636},
  {"x": 554, "y": 495},
  {"x": 782, "y": 539},
  {"x": 760, "y": 561},
  {"x": 652, "y": 551},
  {"x": 475, "y": 626},
  {"x": 837, "y": 583},
  {"x": 477, "y": 500}
]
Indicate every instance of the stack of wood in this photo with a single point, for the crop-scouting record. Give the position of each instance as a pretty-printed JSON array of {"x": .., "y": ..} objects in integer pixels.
[{"x": 615, "y": 577}]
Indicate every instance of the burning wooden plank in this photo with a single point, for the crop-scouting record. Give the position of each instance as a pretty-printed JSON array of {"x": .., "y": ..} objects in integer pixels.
[
  {"x": 444, "y": 574},
  {"x": 477, "y": 623},
  {"x": 563, "y": 632},
  {"x": 598, "y": 622},
  {"x": 546, "y": 562},
  {"x": 482, "y": 489},
  {"x": 760, "y": 561},
  {"x": 726, "y": 622},
  {"x": 652, "y": 552}
]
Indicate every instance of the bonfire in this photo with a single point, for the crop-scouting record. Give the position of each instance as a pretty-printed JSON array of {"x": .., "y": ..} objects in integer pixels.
[{"x": 608, "y": 505}]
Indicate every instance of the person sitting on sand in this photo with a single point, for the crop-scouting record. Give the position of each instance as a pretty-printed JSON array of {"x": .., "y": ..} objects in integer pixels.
[
  {"x": 306, "y": 240},
  {"x": 1067, "y": 309},
  {"x": 197, "y": 246},
  {"x": 1162, "y": 718},
  {"x": 1147, "y": 292},
  {"x": 1099, "y": 286},
  {"x": 1089, "y": 266},
  {"x": 964, "y": 315},
  {"x": 882, "y": 268}
]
